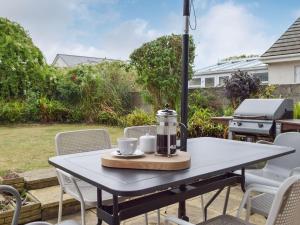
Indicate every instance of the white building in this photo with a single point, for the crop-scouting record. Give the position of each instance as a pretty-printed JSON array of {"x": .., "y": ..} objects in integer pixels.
[
  {"x": 214, "y": 76},
  {"x": 283, "y": 57},
  {"x": 64, "y": 60}
]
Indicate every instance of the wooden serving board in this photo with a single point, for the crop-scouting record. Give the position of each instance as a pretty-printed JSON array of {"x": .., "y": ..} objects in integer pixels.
[{"x": 180, "y": 161}]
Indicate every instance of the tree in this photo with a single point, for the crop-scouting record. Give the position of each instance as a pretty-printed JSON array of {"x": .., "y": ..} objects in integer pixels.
[
  {"x": 158, "y": 65},
  {"x": 240, "y": 86},
  {"x": 21, "y": 63}
]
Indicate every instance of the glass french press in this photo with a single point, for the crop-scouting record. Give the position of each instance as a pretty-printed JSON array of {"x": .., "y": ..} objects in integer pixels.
[{"x": 166, "y": 132}]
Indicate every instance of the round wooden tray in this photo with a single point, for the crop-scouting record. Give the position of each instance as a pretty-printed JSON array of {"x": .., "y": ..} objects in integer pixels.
[{"x": 180, "y": 161}]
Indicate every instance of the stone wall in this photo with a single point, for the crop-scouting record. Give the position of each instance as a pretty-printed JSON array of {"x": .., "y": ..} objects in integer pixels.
[{"x": 281, "y": 91}]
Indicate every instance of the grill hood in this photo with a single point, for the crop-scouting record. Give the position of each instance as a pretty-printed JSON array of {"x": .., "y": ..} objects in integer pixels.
[{"x": 267, "y": 109}]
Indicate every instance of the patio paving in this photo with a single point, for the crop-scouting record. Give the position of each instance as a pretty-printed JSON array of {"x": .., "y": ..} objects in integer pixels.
[{"x": 193, "y": 208}]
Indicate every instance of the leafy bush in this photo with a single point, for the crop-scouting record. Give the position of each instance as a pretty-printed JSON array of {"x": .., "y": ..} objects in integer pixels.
[
  {"x": 104, "y": 87},
  {"x": 201, "y": 125},
  {"x": 241, "y": 86},
  {"x": 109, "y": 118},
  {"x": 12, "y": 112},
  {"x": 228, "y": 111},
  {"x": 266, "y": 91},
  {"x": 297, "y": 110},
  {"x": 138, "y": 118},
  {"x": 200, "y": 99},
  {"x": 158, "y": 64},
  {"x": 52, "y": 111},
  {"x": 22, "y": 63}
]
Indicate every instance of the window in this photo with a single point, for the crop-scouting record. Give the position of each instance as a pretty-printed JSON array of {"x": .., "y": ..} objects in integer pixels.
[
  {"x": 297, "y": 74},
  {"x": 222, "y": 80},
  {"x": 263, "y": 77},
  {"x": 209, "y": 82},
  {"x": 195, "y": 81}
]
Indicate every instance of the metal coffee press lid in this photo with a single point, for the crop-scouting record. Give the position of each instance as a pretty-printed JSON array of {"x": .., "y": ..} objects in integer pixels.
[{"x": 166, "y": 112}]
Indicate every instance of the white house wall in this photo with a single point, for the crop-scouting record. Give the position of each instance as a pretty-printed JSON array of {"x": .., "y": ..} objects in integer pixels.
[{"x": 282, "y": 73}]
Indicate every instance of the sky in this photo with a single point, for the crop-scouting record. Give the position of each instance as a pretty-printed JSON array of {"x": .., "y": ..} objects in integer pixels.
[{"x": 114, "y": 28}]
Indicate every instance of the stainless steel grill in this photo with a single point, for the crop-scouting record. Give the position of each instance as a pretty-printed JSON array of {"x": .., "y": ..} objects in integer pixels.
[{"x": 257, "y": 117}]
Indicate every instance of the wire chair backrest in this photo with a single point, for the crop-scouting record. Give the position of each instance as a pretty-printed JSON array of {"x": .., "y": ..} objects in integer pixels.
[
  {"x": 286, "y": 205},
  {"x": 82, "y": 141},
  {"x": 138, "y": 131},
  {"x": 10, "y": 190},
  {"x": 76, "y": 142},
  {"x": 283, "y": 165}
]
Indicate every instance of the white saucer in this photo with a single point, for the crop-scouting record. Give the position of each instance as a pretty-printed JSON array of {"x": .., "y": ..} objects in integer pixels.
[{"x": 138, "y": 153}]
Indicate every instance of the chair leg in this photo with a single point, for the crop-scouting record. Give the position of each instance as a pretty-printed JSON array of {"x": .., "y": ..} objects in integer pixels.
[
  {"x": 146, "y": 218},
  {"x": 60, "y": 205},
  {"x": 82, "y": 206},
  {"x": 158, "y": 216},
  {"x": 202, "y": 206}
]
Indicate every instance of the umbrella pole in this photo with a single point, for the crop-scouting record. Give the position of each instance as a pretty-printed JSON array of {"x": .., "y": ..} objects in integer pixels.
[
  {"x": 184, "y": 74},
  {"x": 184, "y": 94}
]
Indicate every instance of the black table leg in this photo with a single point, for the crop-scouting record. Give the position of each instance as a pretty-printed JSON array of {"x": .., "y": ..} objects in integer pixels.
[
  {"x": 211, "y": 201},
  {"x": 226, "y": 200},
  {"x": 181, "y": 207},
  {"x": 116, "y": 219},
  {"x": 99, "y": 204},
  {"x": 243, "y": 182}
]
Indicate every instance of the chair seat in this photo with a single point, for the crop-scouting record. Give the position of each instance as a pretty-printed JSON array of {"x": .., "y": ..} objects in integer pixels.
[
  {"x": 89, "y": 193},
  {"x": 262, "y": 203},
  {"x": 225, "y": 220},
  {"x": 68, "y": 222},
  {"x": 263, "y": 177}
]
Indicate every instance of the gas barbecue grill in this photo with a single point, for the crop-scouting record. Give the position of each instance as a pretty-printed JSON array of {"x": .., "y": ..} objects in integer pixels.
[{"x": 257, "y": 117}]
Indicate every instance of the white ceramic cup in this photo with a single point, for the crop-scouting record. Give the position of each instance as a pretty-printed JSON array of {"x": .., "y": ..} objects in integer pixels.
[{"x": 127, "y": 146}]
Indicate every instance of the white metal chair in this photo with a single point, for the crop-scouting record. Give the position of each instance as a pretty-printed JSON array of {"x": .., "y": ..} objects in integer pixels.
[
  {"x": 138, "y": 131},
  {"x": 275, "y": 172},
  {"x": 284, "y": 210},
  {"x": 12, "y": 191},
  {"x": 76, "y": 142}
]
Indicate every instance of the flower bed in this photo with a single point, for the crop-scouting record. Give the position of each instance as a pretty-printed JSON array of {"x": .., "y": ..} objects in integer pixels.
[
  {"x": 13, "y": 179},
  {"x": 30, "y": 210}
]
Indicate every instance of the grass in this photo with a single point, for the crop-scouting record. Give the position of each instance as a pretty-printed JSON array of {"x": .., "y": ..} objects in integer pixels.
[{"x": 28, "y": 147}]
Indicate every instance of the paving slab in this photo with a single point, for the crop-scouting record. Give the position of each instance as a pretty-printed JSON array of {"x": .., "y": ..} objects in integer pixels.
[
  {"x": 41, "y": 178},
  {"x": 193, "y": 209},
  {"x": 49, "y": 197}
]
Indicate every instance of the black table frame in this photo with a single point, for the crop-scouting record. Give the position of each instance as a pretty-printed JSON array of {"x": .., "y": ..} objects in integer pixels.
[
  {"x": 178, "y": 186},
  {"x": 114, "y": 213}
]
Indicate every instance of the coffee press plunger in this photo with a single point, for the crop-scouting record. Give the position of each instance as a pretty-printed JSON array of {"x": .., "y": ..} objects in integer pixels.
[{"x": 166, "y": 131}]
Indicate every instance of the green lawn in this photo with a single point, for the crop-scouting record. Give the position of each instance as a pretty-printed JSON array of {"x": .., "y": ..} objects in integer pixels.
[{"x": 27, "y": 147}]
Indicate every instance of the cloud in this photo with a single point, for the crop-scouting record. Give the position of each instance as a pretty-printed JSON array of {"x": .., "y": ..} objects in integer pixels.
[
  {"x": 229, "y": 29},
  {"x": 126, "y": 37},
  {"x": 98, "y": 28},
  {"x": 61, "y": 26}
]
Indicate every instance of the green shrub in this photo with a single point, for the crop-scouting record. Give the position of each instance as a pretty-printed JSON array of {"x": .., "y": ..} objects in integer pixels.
[
  {"x": 266, "y": 91},
  {"x": 228, "y": 111},
  {"x": 12, "y": 112},
  {"x": 200, "y": 125},
  {"x": 200, "y": 99},
  {"x": 76, "y": 115},
  {"x": 297, "y": 110},
  {"x": 138, "y": 118},
  {"x": 52, "y": 111},
  {"x": 109, "y": 118},
  {"x": 22, "y": 63}
]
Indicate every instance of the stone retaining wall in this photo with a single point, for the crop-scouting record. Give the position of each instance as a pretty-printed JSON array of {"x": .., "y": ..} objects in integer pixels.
[{"x": 281, "y": 91}]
